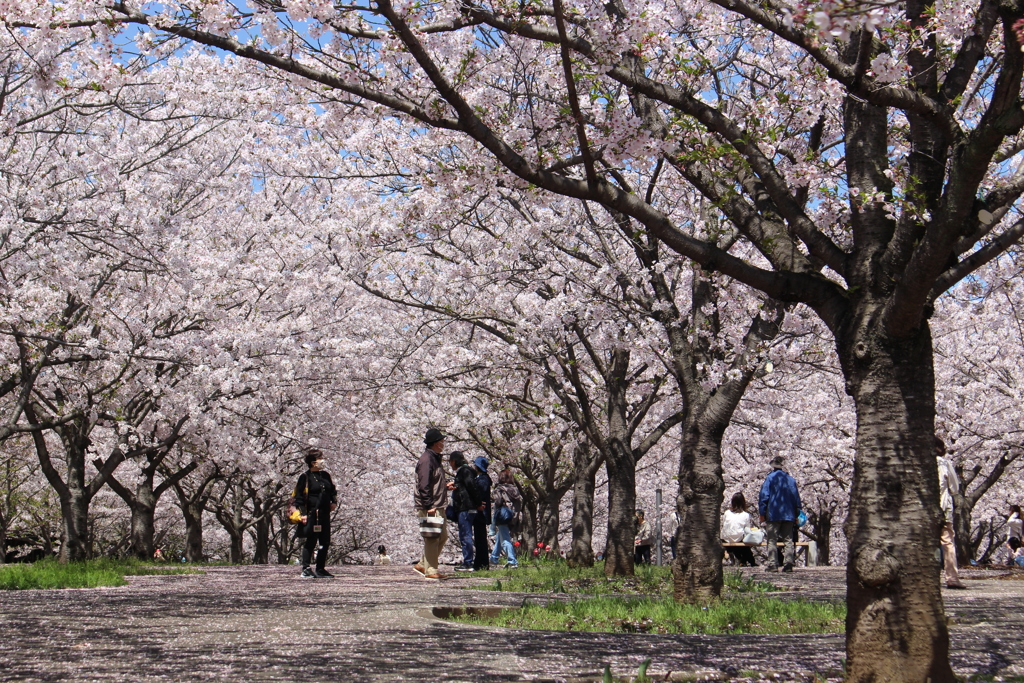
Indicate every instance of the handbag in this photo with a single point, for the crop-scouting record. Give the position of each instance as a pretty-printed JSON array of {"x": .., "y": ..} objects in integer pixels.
[
  {"x": 754, "y": 536},
  {"x": 431, "y": 526},
  {"x": 450, "y": 514},
  {"x": 801, "y": 518}
]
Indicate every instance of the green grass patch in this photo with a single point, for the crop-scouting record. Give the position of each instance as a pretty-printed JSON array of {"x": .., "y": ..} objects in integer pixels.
[
  {"x": 90, "y": 574},
  {"x": 548, "y": 577},
  {"x": 752, "y": 614}
]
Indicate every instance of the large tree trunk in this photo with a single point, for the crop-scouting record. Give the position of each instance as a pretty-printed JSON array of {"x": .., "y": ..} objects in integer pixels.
[
  {"x": 896, "y": 629},
  {"x": 143, "y": 521},
  {"x": 75, "y": 525},
  {"x": 528, "y": 530},
  {"x": 620, "y": 464},
  {"x": 697, "y": 571},
  {"x": 823, "y": 536},
  {"x": 261, "y": 550},
  {"x": 962, "y": 519},
  {"x": 236, "y": 550},
  {"x": 621, "y": 468},
  {"x": 581, "y": 552},
  {"x": 548, "y": 520}
]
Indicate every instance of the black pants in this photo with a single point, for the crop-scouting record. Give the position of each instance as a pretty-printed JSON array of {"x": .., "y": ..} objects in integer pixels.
[
  {"x": 323, "y": 537},
  {"x": 743, "y": 556},
  {"x": 642, "y": 554},
  {"x": 482, "y": 554}
]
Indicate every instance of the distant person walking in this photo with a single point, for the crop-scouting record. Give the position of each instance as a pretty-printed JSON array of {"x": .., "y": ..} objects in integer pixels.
[
  {"x": 482, "y": 520},
  {"x": 467, "y": 503},
  {"x": 643, "y": 540},
  {"x": 508, "y": 505},
  {"x": 430, "y": 499},
  {"x": 316, "y": 497},
  {"x": 778, "y": 506},
  {"x": 735, "y": 525},
  {"x": 949, "y": 486}
]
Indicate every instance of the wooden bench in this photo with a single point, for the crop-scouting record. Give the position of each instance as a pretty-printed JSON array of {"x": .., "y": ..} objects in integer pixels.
[{"x": 810, "y": 549}]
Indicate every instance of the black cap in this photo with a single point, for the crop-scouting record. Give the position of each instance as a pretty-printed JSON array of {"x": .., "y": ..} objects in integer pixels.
[{"x": 433, "y": 436}]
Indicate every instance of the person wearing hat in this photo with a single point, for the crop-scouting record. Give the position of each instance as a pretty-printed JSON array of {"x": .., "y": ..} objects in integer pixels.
[
  {"x": 778, "y": 506},
  {"x": 430, "y": 499},
  {"x": 466, "y": 505},
  {"x": 482, "y": 519},
  {"x": 316, "y": 497}
]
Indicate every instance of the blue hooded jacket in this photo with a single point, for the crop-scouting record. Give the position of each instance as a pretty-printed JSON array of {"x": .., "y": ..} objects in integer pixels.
[{"x": 779, "y": 500}]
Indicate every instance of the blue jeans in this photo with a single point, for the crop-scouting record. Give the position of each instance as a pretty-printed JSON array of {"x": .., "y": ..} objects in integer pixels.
[
  {"x": 466, "y": 536},
  {"x": 503, "y": 541}
]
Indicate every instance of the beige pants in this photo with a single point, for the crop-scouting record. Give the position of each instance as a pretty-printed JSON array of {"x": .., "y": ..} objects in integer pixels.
[
  {"x": 949, "y": 554},
  {"x": 432, "y": 547}
]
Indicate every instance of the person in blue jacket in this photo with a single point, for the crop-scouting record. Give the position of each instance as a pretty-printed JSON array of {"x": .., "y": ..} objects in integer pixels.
[{"x": 778, "y": 506}]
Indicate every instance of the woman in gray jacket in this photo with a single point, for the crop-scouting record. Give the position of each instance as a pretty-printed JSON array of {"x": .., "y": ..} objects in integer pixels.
[{"x": 508, "y": 505}]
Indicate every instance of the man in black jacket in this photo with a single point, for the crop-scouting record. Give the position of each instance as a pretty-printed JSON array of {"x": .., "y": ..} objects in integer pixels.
[
  {"x": 316, "y": 498},
  {"x": 482, "y": 519},
  {"x": 467, "y": 502}
]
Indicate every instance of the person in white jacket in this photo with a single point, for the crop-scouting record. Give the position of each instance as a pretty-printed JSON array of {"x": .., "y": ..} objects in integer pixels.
[
  {"x": 1015, "y": 523},
  {"x": 949, "y": 485},
  {"x": 735, "y": 525}
]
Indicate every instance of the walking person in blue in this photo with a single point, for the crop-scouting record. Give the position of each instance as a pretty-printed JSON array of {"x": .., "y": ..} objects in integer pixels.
[{"x": 778, "y": 506}]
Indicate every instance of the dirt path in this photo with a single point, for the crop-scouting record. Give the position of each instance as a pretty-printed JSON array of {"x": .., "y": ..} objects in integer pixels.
[{"x": 373, "y": 624}]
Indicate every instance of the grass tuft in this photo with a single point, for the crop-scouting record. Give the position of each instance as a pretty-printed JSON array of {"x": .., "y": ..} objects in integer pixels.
[
  {"x": 558, "y": 577},
  {"x": 753, "y": 615},
  {"x": 49, "y": 573}
]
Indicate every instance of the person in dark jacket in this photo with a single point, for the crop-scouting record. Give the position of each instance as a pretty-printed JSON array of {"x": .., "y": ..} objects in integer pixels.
[
  {"x": 467, "y": 503},
  {"x": 506, "y": 495},
  {"x": 316, "y": 497},
  {"x": 430, "y": 499},
  {"x": 482, "y": 519},
  {"x": 778, "y": 506}
]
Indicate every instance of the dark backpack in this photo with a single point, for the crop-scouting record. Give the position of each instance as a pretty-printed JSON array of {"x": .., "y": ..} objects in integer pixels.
[{"x": 507, "y": 510}]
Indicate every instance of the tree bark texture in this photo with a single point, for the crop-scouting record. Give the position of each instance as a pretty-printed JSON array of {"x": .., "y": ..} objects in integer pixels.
[
  {"x": 621, "y": 468},
  {"x": 620, "y": 465},
  {"x": 261, "y": 547},
  {"x": 192, "y": 510},
  {"x": 75, "y": 530},
  {"x": 896, "y": 628},
  {"x": 697, "y": 570},
  {"x": 144, "y": 523},
  {"x": 548, "y": 519},
  {"x": 581, "y": 552},
  {"x": 823, "y": 536}
]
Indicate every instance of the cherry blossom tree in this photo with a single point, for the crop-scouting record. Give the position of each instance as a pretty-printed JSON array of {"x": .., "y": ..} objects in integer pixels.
[{"x": 868, "y": 164}]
